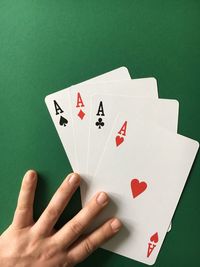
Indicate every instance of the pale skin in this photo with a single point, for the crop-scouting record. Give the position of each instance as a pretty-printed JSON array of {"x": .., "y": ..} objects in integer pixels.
[{"x": 27, "y": 243}]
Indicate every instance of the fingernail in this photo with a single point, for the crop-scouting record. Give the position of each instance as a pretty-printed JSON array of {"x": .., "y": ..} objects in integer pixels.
[
  {"x": 102, "y": 198},
  {"x": 73, "y": 178},
  {"x": 30, "y": 175},
  {"x": 116, "y": 225}
]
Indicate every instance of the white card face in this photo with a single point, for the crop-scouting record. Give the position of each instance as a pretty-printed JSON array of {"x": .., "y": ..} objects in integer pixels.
[
  {"x": 80, "y": 100},
  {"x": 162, "y": 111},
  {"x": 104, "y": 109},
  {"x": 59, "y": 106},
  {"x": 144, "y": 169},
  {"x": 103, "y": 112}
]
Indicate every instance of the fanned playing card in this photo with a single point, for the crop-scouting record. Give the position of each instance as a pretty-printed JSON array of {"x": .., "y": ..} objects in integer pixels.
[
  {"x": 144, "y": 169},
  {"x": 136, "y": 157},
  {"x": 103, "y": 112},
  {"x": 104, "y": 109},
  {"x": 59, "y": 106}
]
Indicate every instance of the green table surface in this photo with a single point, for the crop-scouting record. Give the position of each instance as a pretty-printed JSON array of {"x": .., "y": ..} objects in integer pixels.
[{"x": 48, "y": 45}]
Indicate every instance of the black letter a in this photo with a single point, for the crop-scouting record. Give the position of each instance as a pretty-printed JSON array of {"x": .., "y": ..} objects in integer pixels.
[
  {"x": 57, "y": 108},
  {"x": 100, "y": 111}
]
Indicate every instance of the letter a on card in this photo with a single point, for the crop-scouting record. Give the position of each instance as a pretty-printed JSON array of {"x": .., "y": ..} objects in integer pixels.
[{"x": 119, "y": 139}]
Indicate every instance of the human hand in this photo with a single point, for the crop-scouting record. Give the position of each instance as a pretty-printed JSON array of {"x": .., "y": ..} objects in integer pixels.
[{"x": 37, "y": 244}]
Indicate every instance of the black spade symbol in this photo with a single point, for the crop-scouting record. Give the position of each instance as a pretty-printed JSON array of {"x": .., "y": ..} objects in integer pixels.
[{"x": 63, "y": 121}]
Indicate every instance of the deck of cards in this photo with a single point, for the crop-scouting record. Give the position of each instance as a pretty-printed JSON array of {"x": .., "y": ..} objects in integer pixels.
[{"x": 122, "y": 139}]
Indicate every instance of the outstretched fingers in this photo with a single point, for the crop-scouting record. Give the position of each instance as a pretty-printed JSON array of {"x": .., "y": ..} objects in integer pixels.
[
  {"x": 75, "y": 227},
  {"x": 81, "y": 249}
]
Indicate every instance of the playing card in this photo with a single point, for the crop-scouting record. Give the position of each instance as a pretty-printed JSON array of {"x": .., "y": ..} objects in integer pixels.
[
  {"x": 103, "y": 112},
  {"x": 144, "y": 169},
  {"x": 59, "y": 106},
  {"x": 80, "y": 101}
]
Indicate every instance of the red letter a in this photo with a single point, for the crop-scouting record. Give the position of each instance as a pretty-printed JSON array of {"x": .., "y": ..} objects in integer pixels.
[
  {"x": 122, "y": 131},
  {"x": 79, "y": 101}
]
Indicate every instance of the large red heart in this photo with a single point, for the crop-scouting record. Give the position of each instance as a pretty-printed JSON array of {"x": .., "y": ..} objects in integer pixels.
[
  {"x": 119, "y": 140},
  {"x": 137, "y": 187},
  {"x": 154, "y": 238}
]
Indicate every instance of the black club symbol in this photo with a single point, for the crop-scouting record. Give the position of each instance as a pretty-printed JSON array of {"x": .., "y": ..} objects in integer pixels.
[{"x": 99, "y": 123}]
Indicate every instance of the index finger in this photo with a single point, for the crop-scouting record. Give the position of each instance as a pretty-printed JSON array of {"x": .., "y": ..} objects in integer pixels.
[{"x": 23, "y": 216}]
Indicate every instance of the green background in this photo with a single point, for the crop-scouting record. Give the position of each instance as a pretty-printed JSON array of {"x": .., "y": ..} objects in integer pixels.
[{"x": 47, "y": 45}]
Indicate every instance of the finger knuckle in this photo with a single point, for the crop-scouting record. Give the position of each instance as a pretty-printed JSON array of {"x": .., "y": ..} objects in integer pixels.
[
  {"x": 23, "y": 208},
  {"x": 89, "y": 246},
  {"x": 52, "y": 213},
  {"x": 76, "y": 227},
  {"x": 48, "y": 253}
]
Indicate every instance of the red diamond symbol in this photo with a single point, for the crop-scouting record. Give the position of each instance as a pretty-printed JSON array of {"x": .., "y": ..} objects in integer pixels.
[{"x": 81, "y": 114}]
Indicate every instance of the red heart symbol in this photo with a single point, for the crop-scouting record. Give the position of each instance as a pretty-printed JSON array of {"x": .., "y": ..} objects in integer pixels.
[
  {"x": 119, "y": 140},
  {"x": 154, "y": 238},
  {"x": 137, "y": 187}
]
